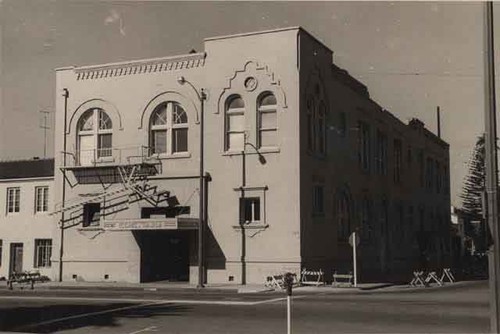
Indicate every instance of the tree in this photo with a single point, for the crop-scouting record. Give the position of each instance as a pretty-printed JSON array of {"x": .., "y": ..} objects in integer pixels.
[
  {"x": 472, "y": 206},
  {"x": 474, "y": 182}
]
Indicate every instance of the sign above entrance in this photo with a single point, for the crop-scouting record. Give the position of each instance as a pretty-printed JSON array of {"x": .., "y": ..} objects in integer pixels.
[{"x": 151, "y": 224}]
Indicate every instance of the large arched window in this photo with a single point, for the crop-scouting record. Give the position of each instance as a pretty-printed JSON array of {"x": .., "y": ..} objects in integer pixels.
[
  {"x": 343, "y": 216},
  {"x": 169, "y": 129},
  {"x": 95, "y": 132},
  {"x": 235, "y": 124},
  {"x": 267, "y": 122}
]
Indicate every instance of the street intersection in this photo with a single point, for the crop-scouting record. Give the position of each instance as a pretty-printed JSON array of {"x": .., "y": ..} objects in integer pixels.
[{"x": 458, "y": 308}]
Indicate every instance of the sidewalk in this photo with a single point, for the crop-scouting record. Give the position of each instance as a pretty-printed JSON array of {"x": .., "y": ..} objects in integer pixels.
[
  {"x": 166, "y": 286},
  {"x": 180, "y": 286}
]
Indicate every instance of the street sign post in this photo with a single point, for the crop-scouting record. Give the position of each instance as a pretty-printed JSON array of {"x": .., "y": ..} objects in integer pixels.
[{"x": 354, "y": 242}]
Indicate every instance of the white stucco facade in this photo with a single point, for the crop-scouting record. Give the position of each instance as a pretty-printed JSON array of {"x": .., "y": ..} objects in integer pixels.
[{"x": 275, "y": 95}]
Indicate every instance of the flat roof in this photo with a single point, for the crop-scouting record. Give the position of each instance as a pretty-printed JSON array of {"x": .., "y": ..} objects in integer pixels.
[{"x": 269, "y": 31}]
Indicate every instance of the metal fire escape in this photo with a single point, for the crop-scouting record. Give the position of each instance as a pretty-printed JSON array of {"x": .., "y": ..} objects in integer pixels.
[{"x": 128, "y": 183}]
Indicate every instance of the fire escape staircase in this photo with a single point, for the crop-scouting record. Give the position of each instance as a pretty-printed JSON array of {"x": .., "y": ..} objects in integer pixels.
[{"x": 133, "y": 188}]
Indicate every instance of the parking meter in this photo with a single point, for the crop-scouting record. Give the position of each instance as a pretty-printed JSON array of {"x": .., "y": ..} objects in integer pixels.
[{"x": 288, "y": 281}]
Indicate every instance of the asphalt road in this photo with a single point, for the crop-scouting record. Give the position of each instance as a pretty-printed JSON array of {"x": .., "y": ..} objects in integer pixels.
[{"x": 462, "y": 308}]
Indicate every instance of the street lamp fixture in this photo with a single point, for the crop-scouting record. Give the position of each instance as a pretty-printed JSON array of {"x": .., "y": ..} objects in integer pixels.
[{"x": 181, "y": 80}]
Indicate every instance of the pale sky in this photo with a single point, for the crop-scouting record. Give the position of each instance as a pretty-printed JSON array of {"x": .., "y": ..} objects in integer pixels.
[{"x": 413, "y": 56}]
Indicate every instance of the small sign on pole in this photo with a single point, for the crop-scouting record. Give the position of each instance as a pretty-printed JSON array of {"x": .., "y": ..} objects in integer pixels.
[{"x": 354, "y": 242}]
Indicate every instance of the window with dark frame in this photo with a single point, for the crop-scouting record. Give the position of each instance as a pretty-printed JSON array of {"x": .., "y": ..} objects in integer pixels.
[
  {"x": 366, "y": 218},
  {"x": 318, "y": 200},
  {"x": 381, "y": 153},
  {"x": 311, "y": 129},
  {"x": 429, "y": 173},
  {"x": 250, "y": 210},
  {"x": 364, "y": 145},
  {"x": 343, "y": 216},
  {"x": 43, "y": 253},
  {"x": 342, "y": 124},
  {"x": 91, "y": 214},
  {"x": 397, "y": 160},
  {"x": 438, "y": 177},
  {"x": 321, "y": 129}
]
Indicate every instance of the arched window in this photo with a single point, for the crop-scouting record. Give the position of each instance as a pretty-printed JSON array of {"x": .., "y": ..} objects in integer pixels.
[
  {"x": 169, "y": 129},
  {"x": 95, "y": 132},
  {"x": 235, "y": 124},
  {"x": 343, "y": 216},
  {"x": 267, "y": 122}
]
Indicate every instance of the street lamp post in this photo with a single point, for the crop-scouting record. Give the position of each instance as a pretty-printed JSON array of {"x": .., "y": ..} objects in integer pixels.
[
  {"x": 201, "y": 213},
  {"x": 262, "y": 160}
]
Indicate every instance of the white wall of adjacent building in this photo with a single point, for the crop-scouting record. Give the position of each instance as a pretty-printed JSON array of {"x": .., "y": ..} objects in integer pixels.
[{"x": 28, "y": 224}]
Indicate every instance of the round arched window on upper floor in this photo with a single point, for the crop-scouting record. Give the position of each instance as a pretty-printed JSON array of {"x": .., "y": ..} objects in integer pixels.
[
  {"x": 234, "y": 124},
  {"x": 95, "y": 136},
  {"x": 169, "y": 129}
]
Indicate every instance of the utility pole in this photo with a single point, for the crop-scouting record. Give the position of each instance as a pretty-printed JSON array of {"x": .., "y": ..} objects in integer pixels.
[
  {"x": 45, "y": 127},
  {"x": 491, "y": 171}
]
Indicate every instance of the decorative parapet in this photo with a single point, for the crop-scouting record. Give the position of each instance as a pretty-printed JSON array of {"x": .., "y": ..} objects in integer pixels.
[{"x": 151, "y": 65}]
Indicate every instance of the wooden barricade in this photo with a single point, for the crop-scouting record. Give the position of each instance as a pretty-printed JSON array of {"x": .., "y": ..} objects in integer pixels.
[
  {"x": 423, "y": 279},
  {"x": 432, "y": 276},
  {"x": 278, "y": 281},
  {"x": 447, "y": 274},
  {"x": 342, "y": 279},
  {"x": 312, "y": 277},
  {"x": 418, "y": 279}
]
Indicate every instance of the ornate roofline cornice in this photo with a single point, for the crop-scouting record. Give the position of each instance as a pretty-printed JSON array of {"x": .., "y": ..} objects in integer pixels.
[{"x": 140, "y": 66}]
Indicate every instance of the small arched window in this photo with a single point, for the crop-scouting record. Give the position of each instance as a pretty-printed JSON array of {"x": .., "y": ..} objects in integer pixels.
[
  {"x": 95, "y": 134},
  {"x": 267, "y": 121},
  {"x": 235, "y": 124},
  {"x": 169, "y": 129}
]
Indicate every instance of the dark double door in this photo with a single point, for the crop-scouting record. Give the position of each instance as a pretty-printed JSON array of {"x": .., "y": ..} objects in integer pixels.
[{"x": 164, "y": 255}]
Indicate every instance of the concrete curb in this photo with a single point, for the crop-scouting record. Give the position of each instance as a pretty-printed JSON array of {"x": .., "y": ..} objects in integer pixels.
[{"x": 116, "y": 287}]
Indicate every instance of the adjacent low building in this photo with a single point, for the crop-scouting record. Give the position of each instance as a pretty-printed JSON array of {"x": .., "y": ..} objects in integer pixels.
[
  {"x": 296, "y": 157},
  {"x": 26, "y": 197}
]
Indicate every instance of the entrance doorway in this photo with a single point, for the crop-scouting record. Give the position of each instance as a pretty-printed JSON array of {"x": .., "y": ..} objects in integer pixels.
[
  {"x": 16, "y": 258},
  {"x": 164, "y": 255}
]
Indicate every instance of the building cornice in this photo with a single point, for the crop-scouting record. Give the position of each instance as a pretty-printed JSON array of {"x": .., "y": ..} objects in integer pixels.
[{"x": 150, "y": 65}]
